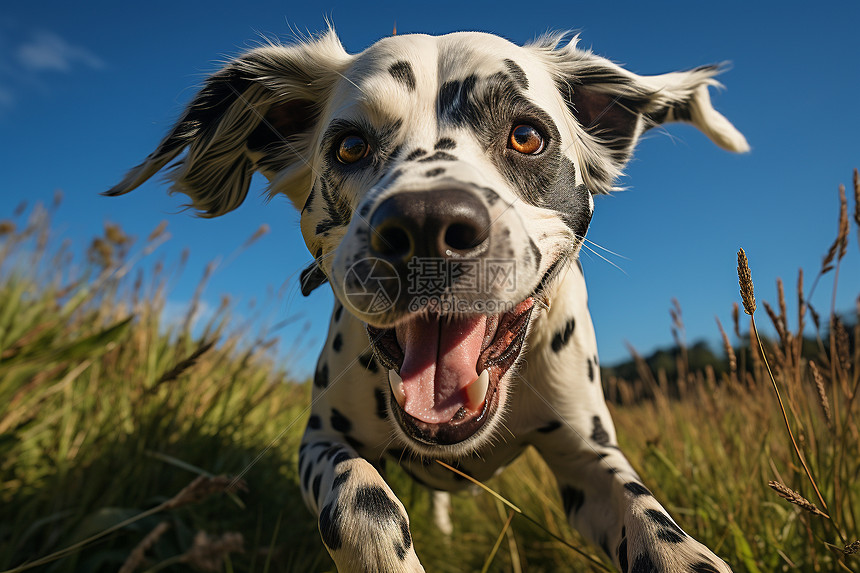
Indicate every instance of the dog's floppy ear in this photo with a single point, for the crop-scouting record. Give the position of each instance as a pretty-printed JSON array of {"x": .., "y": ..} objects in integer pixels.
[
  {"x": 614, "y": 106},
  {"x": 258, "y": 113}
]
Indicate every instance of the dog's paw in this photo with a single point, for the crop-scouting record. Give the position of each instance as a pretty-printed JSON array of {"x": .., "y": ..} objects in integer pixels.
[
  {"x": 365, "y": 527},
  {"x": 651, "y": 542}
]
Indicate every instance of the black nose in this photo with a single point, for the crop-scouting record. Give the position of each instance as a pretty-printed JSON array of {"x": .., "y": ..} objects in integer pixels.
[{"x": 443, "y": 223}]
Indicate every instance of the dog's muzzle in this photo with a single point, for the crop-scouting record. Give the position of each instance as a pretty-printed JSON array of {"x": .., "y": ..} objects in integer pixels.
[{"x": 445, "y": 366}]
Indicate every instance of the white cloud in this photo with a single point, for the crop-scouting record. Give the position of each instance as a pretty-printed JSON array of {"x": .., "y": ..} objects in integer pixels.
[{"x": 46, "y": 51}]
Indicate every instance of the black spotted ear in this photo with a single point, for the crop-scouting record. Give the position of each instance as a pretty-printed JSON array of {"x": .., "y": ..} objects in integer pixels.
[
  {"x": 256, "y": 114},
  {"x": 613, "y": 106}
]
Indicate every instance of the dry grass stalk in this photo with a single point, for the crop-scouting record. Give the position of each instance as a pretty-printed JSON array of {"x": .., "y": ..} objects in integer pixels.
[
  {"x": 857, "y": 200},
  {"x": 208, "y": 553},
  {"x": 842, "y": 237},
  {"x": 730, "y": 352},
  {"x": 795, "y": 498},
  {"x": 201, "y": 488},
  {"x": 185, "y": 364},
  {"x": 157, "y": 232},
  {"x": 822, "y": 394},
  {"x": 777, "y": 321},
  {"x": 746, "y": 284},
  {"x": 736, "y": 319},
  {"x": 137, "y": 557}
]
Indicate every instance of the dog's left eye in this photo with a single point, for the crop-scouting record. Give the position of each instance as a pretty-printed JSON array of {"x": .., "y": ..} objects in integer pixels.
[
  {"x": 352, "y": 148},
  {"x": 526, "y": 139}
]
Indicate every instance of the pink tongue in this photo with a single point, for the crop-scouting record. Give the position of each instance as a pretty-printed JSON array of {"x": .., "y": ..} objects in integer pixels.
[{"x": 439, "y": 359}]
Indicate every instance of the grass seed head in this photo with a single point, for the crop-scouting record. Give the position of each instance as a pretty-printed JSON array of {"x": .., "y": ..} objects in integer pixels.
[
  {"x": 746, "y": 284},
  {"x": 854, "y": 546},
  {"x": 202, "y": 487},
  {"x": 792, "y": 496}
]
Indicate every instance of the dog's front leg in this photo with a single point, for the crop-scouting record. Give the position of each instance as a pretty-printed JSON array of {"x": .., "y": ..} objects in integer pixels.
[
  {"x": 362, "y": 524},
  {"x": 605, "y": 499}
]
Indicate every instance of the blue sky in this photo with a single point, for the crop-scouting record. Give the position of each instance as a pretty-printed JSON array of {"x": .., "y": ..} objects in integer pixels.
[{"x": 87, "y": 90}]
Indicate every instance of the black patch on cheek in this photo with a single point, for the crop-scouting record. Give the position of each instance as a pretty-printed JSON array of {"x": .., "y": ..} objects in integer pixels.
[
  {"x": 517, "y": 73},
  {"x": 571, "y": 201},
  {"x": 402, "y": 72}
]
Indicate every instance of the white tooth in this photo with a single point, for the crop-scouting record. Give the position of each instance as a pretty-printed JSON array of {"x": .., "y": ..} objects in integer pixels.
[
  {"x": 477, "y": 389},
  {"x": 396, "y": 383}
]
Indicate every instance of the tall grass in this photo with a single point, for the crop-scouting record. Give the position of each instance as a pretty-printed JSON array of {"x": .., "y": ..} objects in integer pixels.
[{"x": 110, "y": 413}]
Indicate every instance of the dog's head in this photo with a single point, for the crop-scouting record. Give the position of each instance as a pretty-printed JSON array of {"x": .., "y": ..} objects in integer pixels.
[{"x": 442, "y": 181}]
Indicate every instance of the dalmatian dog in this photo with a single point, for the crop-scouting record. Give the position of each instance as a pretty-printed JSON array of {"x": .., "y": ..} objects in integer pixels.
[{"x": 446, "y": 187}]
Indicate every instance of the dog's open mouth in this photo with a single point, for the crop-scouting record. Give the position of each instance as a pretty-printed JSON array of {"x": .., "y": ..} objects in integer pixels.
[{"x": 444, "y": 371}]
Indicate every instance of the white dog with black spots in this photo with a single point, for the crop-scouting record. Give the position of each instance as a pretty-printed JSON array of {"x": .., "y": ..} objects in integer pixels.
[{"x": 473, "y": 162}]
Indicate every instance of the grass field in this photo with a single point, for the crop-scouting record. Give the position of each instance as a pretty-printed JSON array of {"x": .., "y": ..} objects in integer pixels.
[{"x": 110, "y": 415}]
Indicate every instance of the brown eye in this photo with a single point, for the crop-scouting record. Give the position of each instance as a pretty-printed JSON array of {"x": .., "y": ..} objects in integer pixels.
[
  {"x": 526, "y": 139},
  {"x": 352, "y": 148}
]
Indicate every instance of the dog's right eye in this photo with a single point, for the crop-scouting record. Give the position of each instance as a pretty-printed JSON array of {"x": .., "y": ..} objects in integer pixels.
[
  {"x": 525, "y": 139},
  {"x": 352, "y": 148}
]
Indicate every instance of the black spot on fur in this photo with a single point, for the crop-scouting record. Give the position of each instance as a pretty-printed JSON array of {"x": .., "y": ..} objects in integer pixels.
[
  {"x": 415, "y": 154},
  {"x": 517, "y": 73},
  {"x": 340, "y": 479},
  {"x": 622, "y": 555},
  {"x": 669, "y": 531},
  {"x": 338, "y": 310},
  {"x": 330, "y": 524},
  {"x": 703, "y": 567},
  {"x": 402, "y": 72},
  {"x": 306, "y": 476},
  {"x": 314, "y": 422},
  {"x": 435, "y": 172},
  {"x": 375, "y": 503},
  {"x": 636, "y": 488},
  {"x": 550, "y": 427},
  {"x": 439, "y": 156},
  {"x": 572, "y": 499},
  {"x": 316, "y": 487},
  {"x": 604, "y": 545},
  {"x": 598, "y": 432},
  {"x": 340, "y": 422},
  {"x": 355, "y": 444},
  {"x": 321, "y": 377},
  {"x": 590, "y": 371},
  {"x": 340, "y": 455},
  {"x": 337, "y": 343},
  {"x": 445, "y": 143},
  {"x": 643, "y": 564},
  {"x": 369, "y": 362},
  {"x": 381, "y": 409},
  {"x": 562, "y": 337},
  {"x": 403, "y": 547}
]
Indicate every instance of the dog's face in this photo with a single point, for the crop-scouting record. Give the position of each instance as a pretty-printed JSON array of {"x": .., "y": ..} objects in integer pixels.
[{"x": 442, "y": 181}]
